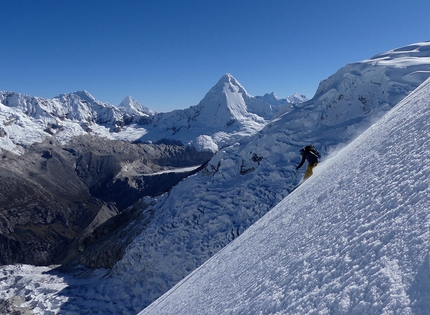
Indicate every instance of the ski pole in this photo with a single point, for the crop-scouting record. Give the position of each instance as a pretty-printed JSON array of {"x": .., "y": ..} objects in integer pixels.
[{"x": 293, "y": 179}]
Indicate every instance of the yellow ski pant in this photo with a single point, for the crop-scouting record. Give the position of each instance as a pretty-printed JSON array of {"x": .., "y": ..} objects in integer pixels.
[{"x": 309, "y": 171}]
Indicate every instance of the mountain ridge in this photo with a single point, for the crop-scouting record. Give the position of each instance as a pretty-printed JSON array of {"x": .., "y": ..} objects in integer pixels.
[{"x": 79, "y": 113}]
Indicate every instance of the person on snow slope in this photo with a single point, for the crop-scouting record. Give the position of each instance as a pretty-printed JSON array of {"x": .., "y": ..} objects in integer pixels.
[{"x": 310, "y": 154}]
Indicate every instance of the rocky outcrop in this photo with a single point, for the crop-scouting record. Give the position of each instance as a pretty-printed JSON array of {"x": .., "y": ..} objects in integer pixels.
[
  {"x": 13, "y": 306},
  {"x": 43, "y": 207},
  {"x": 54, "y": 197}
]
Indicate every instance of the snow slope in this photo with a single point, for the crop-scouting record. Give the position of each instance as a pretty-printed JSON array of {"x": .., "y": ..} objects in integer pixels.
[{"x": 353, "y": 239}]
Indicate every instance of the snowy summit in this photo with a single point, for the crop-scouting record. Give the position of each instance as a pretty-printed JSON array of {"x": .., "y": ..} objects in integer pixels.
[{"x": 133, "y": 107}]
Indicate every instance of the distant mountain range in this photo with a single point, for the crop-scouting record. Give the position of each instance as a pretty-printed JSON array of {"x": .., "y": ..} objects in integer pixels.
[{"x": 225, "y": 114}]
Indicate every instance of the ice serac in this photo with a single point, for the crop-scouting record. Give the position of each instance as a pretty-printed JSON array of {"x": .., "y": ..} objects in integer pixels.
[
  {"x": 374, "y": 85},
  {"x": 353, "y": 239}
]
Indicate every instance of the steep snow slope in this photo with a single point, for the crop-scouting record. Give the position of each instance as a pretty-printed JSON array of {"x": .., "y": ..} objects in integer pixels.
[{"x": 353, "y": 239}]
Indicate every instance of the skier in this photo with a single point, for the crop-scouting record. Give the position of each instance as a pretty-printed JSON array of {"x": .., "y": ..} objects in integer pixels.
[{"x": 310, "y": 154}]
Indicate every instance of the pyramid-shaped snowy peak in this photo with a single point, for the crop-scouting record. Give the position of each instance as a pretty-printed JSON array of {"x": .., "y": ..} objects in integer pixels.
[{"x": 133, "y": 107}]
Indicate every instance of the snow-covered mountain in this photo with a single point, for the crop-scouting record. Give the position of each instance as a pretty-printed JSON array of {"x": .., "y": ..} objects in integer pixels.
[
  {"x": 353, "y": 239},
  {"x": 134, "y": 108},
  {"x": 273, "y": 99},
  {"x": 241, "y": 183},
  {"x": 25, "y": 120},
  {"x": 225, "y": 115}
]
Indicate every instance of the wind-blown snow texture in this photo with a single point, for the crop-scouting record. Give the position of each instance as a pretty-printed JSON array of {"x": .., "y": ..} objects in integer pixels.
[
  {"x": 353, "y": 239},
  {"x": 244, "y": 181}
]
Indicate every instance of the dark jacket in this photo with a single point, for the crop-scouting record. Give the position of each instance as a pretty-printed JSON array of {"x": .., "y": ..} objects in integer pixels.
[{"x": 310, "y": 154}]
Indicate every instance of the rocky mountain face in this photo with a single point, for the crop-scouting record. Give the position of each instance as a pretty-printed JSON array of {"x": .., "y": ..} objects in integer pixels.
[{"x": 54, "y": 196}]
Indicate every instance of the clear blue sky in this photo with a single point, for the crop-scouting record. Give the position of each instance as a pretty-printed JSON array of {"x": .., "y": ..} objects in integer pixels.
[{"x": 168, "y": 53}]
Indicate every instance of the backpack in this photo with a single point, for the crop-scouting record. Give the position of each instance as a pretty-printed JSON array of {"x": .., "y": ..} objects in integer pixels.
[{"x": 311, "y": 149}]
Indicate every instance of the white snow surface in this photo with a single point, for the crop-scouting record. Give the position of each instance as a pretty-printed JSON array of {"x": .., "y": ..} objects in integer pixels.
[
  {"x": 353, "y": 239},
  {"x": 273, "y": 99},
  {"x": 245, "y": 180}
]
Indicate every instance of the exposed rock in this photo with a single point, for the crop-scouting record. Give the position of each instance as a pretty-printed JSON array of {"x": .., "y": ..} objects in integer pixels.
[
  {"x": 53, "y": 197},
  {"x": 12, "y": 306},
  {"x": 44, "y": 206},
  {"x": 107, "y": 243}
]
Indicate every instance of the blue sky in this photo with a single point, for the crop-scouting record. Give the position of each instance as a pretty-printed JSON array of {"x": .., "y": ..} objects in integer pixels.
[{"x": 167, "y": 54}]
